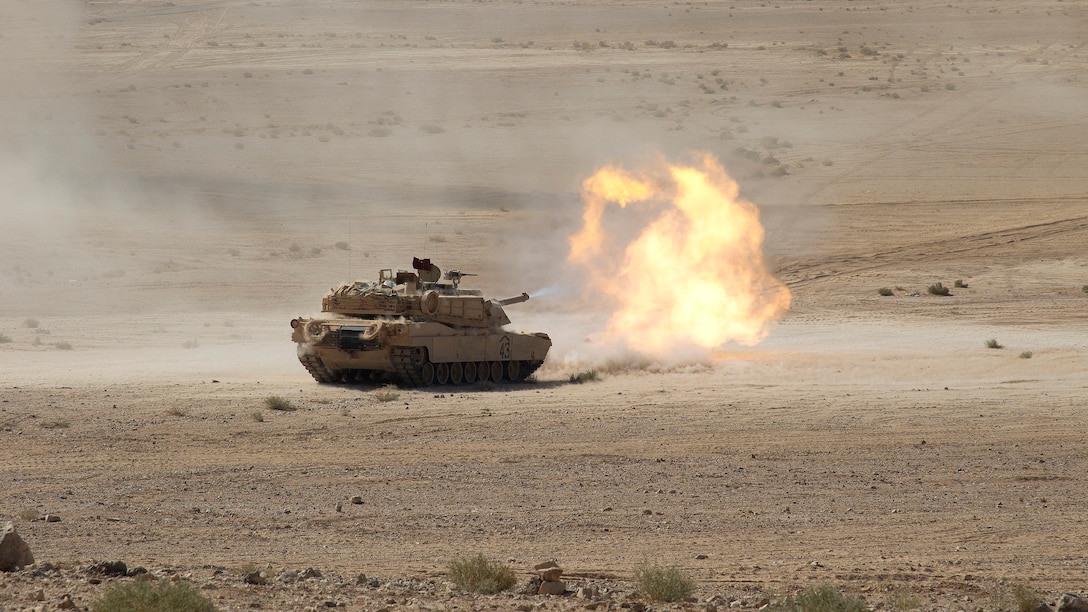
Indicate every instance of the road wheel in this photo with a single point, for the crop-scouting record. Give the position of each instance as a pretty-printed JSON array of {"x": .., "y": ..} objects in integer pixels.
[
  {"x": 442, "y": 373},
  {"x": 496, "y": 371},
  {"x": 457, "y": 373},
  {"x": 513, "y": 370},
  {"x": 470, "y": 372},
  {"x": 426, "y": 374}
]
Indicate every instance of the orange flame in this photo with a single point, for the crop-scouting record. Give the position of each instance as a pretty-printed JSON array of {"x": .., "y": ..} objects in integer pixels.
[{"x": 695, "y": 274}]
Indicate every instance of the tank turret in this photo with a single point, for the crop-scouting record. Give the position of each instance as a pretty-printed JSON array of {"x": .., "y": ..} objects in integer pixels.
[{"x": 412, "y": 325}]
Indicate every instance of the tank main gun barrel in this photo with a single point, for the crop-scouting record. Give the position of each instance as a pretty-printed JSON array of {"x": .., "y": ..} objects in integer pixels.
[{"x": 514, "y": 300}]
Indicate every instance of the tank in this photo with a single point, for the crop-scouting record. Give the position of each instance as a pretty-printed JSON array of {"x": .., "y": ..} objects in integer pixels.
[{"x": 412, "y": 326}]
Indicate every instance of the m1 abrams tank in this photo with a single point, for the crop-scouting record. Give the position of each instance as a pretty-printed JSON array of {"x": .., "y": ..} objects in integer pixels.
[{"x": 410, "y": 325}]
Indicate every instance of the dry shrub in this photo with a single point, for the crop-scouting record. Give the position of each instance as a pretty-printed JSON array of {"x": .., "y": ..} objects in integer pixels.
[
  {"x": 148, "y": 593},
  {"x": 659, "y": 583},
  {"x": 821, "y": 599},
  {"x": 478, "y": 574}
]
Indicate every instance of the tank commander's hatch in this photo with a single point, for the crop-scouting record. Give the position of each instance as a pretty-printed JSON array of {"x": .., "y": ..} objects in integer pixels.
[{"x": 428, "y": 272}]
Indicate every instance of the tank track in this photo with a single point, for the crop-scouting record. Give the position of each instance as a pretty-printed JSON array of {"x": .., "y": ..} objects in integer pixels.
[
  {"x": 401, "y": 356},
  {"x": 533, "y": 367},
  {"x": 317, "y": 369}
]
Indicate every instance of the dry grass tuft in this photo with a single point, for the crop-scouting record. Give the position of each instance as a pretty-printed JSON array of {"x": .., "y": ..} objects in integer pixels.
[{"x": 275, "y": 402}]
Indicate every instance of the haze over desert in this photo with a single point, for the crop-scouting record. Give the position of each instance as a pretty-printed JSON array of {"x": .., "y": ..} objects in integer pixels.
[{"x": 183, "y": 178}]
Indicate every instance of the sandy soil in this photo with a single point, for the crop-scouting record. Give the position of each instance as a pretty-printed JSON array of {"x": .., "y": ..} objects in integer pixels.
[{"x": 178, "y": 175}]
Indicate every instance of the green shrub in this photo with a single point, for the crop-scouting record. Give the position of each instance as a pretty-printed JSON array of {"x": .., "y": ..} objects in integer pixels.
[
  {"x": 959, "y": 284},
  {"x": 885, "y": 291},
  {"x": 993, "y": 343},
  {"x": 821, "y": 599},
  {"x": 276, "y": 402},
  {"x": 1025, "y": 355},
  {"x": 659, "y": 583},
  {"x": 938, "y": 289},
  {"x": 584, "y": 376},
  {"x": 479, "y": 574},
  {"x": 145, "y": 594}
]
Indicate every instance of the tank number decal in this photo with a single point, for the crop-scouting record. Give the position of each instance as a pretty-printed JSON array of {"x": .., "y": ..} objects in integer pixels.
[{"x": 504, "y": 348}]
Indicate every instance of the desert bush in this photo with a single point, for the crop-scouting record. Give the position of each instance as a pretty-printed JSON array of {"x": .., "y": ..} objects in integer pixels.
[
  {"x": 1025, "y": 355},
  {"x": 4, "y": 338},
  {"x": 584, "y": 376},
  {"x": 176, "y": 411},
  {"x": 478, "y": 574},
  {"x": 275, "y": 402},
  {"x": 1026, "y": 599},
  {"x": 938, "y": 289},
  {"x": 959, "y": 284},
  {"x": 190, "y": 344},
  {"x": 821, "y": 599},
  {"x": 885, "y": 291},
  {"x": 659, "y": 583},
  {"x": 343, "y": 246},
  {"x": 257, "y": 416},
  {"x": 387, "y": 394},
  {"x": 31, "y": 323},
  {"x": 993, "y": 344},
  {"x": 152, "y": 594},
  {"x": 30, "y": 514},
  {"x": 64, "y": 346},
  {"x": 1084, "y": 288}
]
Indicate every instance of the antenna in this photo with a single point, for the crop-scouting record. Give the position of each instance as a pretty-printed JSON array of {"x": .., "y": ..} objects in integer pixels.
[{"x": 350, "y": 279}]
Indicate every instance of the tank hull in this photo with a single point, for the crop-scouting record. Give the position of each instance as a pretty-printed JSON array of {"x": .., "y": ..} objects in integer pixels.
[{"x": 349, "y": 349}]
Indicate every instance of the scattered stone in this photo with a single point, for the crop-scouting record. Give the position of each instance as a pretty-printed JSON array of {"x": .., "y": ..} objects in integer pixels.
[
  {"x": 701, "y": 557},
  {"x": 137, "y": 571},
  {"x": 14, "y": 552},
  {"x": 38, "y": 595},
  {"x": 288, "y": 576},
  {"x": 356, "y": 499},
  {"x": 109, "y": 568},
  {"x": 361, "y": 580},
  {"x": 66, "y": 603},
  {"x": 310, "y": 573},
  {"x": 552, "y": 587},
  {"x": 339, "y": 507},
  {"x": 254, "y": 577},
  {"x": 532, "y": 587},
  {"x": 524, "y": 607},
  {"x": 587, "y": 592},
  {"x": 1069, "y": 602}
]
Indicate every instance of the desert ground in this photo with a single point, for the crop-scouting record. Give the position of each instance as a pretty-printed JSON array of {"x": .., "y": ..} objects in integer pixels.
[{"x": 183, "y": 178}]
